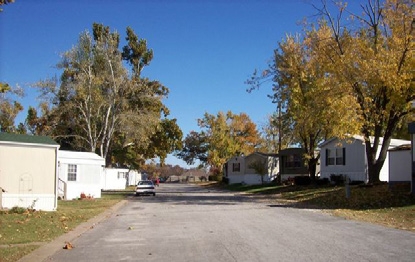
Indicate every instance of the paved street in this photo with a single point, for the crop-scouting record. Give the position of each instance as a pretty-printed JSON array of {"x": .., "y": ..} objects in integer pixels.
[{"x": 190, "y": 223}]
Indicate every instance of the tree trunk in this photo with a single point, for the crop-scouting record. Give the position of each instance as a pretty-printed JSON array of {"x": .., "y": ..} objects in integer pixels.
[{"x": 312, "y": 167}]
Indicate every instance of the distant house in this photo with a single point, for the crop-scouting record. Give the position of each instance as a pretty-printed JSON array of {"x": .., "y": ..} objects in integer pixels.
[
  {"x": 292, "y": 163},
  {"x": 28, "y": 172},
  {"x": 194, "y": 175},
  {"x": 114, "y": 179},
  {"x": 239, "y": 169},
  {"x": 134, "y": 176},
  {"x": 79, "y": 173},
  {"x": 400, "y": 165},
  {"x": 348, "y": 157}
]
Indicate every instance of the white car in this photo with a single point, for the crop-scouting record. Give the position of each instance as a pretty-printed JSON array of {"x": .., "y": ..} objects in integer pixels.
[{"x": 145, "y": 187}]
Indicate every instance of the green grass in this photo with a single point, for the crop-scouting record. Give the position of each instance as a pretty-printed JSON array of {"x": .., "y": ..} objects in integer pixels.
[{"x": 21, "y": 233}]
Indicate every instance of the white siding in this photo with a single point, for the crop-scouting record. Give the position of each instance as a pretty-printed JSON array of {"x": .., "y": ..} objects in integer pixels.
[
  {"x": 27, "y": 173},
  {"x": 134, "y": 177},
  {"x": 355, "y": 167},
  {"x": 90, "y": 168},
  {"x": 45, "y": 202},
  {"x": 111, "y": 181},
  {"x": 247, "y": 175},
  {"x": 400, "y": 166}
]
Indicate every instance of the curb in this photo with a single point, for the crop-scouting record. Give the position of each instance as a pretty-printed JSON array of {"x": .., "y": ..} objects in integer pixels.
[{"x": 47, "y": 250}]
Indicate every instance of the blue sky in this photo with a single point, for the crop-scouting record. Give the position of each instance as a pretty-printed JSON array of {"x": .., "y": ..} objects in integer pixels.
[{"x": 203, "y": 50}]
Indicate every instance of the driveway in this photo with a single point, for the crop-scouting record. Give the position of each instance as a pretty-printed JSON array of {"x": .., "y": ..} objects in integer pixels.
[{"x": 190, "y": 223}]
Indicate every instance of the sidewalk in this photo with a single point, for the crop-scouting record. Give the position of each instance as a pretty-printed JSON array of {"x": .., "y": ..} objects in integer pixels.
[{"x": 43, "y": 252}]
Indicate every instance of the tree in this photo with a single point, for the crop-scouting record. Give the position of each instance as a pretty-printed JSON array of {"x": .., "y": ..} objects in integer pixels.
[
  {"x": 195, "y": 148},
  {"x": 305, "y": 93},
  {"x": 9, "y": 107},
  {"x": 98, "y": 106},
  {"x": 276, "y": 133},
  {"x": 260, "y": 168},
  {"x": 4, "y": 87},
  {"x": 375, "y": 62},
  {"x": 222, "y": 136},
  {"x": 5, "y": 2},
  {"x": 338, "y": 81}
]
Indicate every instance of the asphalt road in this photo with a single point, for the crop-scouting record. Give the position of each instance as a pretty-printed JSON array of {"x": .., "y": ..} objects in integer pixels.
[{"x": 189, "y": 223}]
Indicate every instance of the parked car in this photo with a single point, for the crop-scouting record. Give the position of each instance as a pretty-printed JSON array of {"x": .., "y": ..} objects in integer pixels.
[{"x": 145, "y": 187}]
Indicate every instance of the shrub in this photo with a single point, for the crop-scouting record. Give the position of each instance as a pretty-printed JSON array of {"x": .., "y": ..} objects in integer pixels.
[
  {"x": 302, "y": 180},
  {"x": 356, "y": 182},
  {"x": 337, "y": 179},
  {"x": 215, "y": 178},
  {"x": 322, "y": 181},
  {"x": 225, "y": 180},
  {"x": 17, "y": 210}
]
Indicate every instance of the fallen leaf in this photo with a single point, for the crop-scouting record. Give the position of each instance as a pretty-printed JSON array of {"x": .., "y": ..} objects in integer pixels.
[{"x": 68, "y": 245}]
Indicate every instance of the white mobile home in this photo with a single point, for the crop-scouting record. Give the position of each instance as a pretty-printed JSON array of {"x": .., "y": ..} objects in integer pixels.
[
  {"x": 134, "y": 177},
  {"x": 348, "y": 157},
  {"x": 400, "y": 165},
  {"x": 239, "y": 169},
  {"x": 114, "y": 179},
  {"x": 79, "y": 173},
  {"x": 28, "y": 172}
]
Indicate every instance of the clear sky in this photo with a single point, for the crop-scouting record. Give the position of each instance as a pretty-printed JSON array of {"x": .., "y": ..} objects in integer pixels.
[{"x": 203, "y": 50}]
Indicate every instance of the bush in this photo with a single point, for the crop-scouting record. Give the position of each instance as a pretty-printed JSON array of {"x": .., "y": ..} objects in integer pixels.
[
  {"x": 302, "y": 180},
  {"x": 337, "y": 180},
  {"x": 355, "y": 183},
  {"x": 215, "y": 178},
  {"x": 322, "y": 181},
  {"x": 17, "y": 210},
  {"x": 225, "y": 180}
]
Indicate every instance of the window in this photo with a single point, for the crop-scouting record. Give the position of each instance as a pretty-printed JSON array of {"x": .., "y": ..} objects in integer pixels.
[
  {"x": 292, "y": 161},
  {"x": 335, "y": 157},
  {"x": 71, "y": 172},
  {"x": 339, "y": 156},
  {"x": 236, "y": 167},
  {"x": 330, "y": 158},
  {"x": 122, "y": 175}
]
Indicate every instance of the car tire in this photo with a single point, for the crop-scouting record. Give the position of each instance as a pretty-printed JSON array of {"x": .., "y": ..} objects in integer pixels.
[
  {"x": 137, "y": 194},
  {"x": 154, "y": 194}
]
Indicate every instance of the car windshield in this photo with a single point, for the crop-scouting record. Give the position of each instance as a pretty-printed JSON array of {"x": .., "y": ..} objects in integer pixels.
[{"x": 145, "y": 183}]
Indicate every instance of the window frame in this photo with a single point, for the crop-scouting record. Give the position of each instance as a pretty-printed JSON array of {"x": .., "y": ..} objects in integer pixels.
[
  {"x": 72, "y": 173},
  {"x": 236, "y": 167},
  {"x": 336, "y": 156},
  {"x": 292, "y": 161},
  {"x": 121, "y": 174}
]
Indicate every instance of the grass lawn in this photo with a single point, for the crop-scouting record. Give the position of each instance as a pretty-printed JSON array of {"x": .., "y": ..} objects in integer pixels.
[
  {"x": 22, "y": 231},
  {"x": 375, "y": 204}
]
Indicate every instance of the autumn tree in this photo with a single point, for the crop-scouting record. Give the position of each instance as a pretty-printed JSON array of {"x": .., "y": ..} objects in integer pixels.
[
  {"x": 9, "y": 107},
  {"x": 373, "y": 59},
  {"x": 276, "y": 133},
  {"x": 305, "y": 93},
  {"x": 336, "y": 80},
  {"x": 222, "y": 136}
]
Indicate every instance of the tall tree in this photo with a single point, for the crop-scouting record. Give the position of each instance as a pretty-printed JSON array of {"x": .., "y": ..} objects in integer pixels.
[
  {"x": 195, "y": 148},
  {"x": 9, "y": 107},
  {"x": 98, "y": 106},
  {"x": 375, "y": 61},
  {"x": 276, "y": 133},
  {"x": 305, "y": 93},
  {"x": 336, "y": 79},
  {"x": 222, "y": 137}
]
